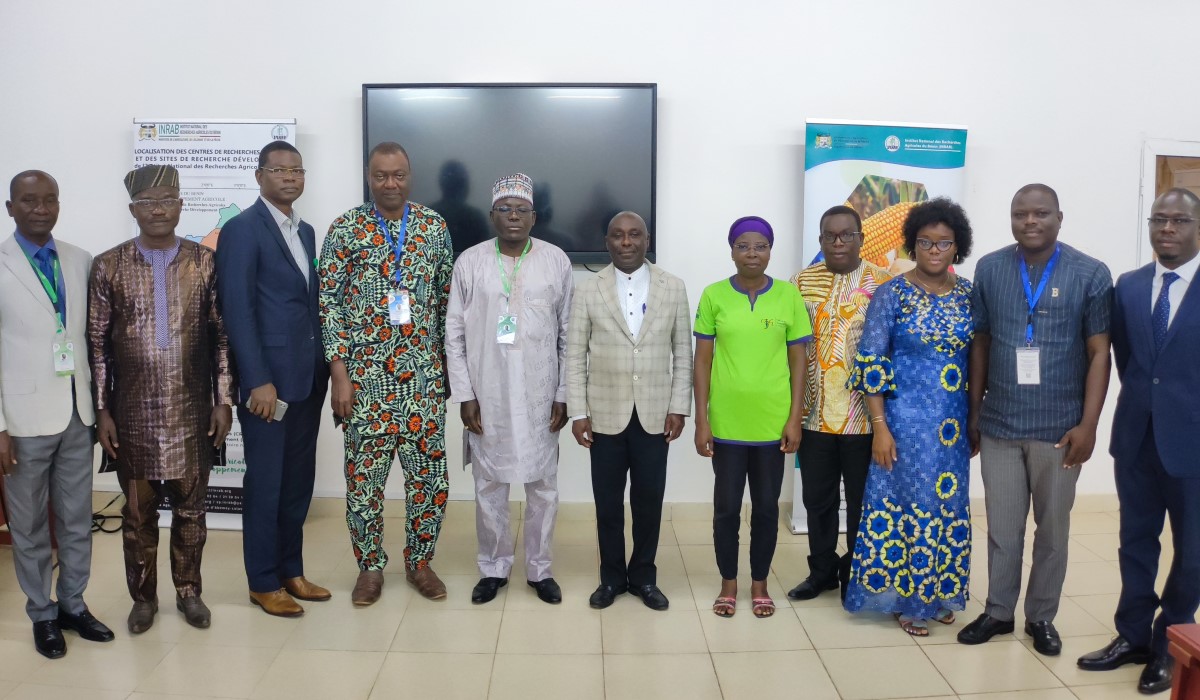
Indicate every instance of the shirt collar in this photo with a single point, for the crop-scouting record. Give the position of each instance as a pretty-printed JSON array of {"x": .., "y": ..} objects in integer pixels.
[
  {"x": 638, "y": 275},
  {"x": 31, "y": 249},
  {"x": 147, "y": 252},
  {"x": 279, "y": 216},
  {"x": 1186, "y": 271}
]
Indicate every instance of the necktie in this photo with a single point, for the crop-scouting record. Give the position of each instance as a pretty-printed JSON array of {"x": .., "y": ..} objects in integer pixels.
[
  {"x": 1162, "y": 310},
  {"x": 45, "y": 262}
]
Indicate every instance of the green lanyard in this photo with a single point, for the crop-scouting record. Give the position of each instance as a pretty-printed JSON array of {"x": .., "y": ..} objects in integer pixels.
[
  {"x": 505, "y": 281},
  {"x": 50, "y": 287}
]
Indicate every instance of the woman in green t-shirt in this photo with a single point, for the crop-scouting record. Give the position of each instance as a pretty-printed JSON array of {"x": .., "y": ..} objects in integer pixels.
[{"x": 749, "y": 383}]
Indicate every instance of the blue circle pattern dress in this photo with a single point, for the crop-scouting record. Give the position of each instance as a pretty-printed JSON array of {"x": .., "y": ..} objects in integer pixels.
[{"x": 912, "y": 555}]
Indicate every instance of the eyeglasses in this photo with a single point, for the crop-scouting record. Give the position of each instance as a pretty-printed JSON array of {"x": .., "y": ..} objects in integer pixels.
[
  {"x": 757, "y": 247},
  {"x": 505, "y": 209},
  {"x": 1176, "y": 221},
  {"x": 844, "y": 236},
  {"x": 942, "y": 245},
  {"x": 284, "y": 172},
  {"x": 152, "y": 204}
]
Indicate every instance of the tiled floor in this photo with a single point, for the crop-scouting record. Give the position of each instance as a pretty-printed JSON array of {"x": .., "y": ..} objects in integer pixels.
[{"x": 519, "y": 647}]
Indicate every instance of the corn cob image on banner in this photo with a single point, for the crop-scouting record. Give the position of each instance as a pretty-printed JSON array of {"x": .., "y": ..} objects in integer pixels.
[{"x": 881, "y": 170}]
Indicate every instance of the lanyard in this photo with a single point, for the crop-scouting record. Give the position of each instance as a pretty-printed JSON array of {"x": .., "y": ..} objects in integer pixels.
[
  {"x": 397, "y": 245},
  {"x": 505, "y": 281},
  {"x": 51, "y": 287},
  {"x": 1031, "y": 296}
]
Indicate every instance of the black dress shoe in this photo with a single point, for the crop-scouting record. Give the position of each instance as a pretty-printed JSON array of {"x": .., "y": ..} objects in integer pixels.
[
  {"x": 48, "y": 639},
  {"x": 1156, "y": 677},
  {"x": 809, "y": 589},
  {"x": 485, "y": 590},
  {"x": 86, "y": 625},
  {"x": 984, "y": 628},
  {"x": 651, "y": 596},
  {"x": 1118, "y": 653},
  {"x": 1045, "y": 638},
  {"x": 604, "y": 596},
  {"x": 547, "y": 590}
]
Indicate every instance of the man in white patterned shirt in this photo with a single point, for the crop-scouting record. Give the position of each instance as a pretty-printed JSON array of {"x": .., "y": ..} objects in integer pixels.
[{"x": 629, "y": 384}]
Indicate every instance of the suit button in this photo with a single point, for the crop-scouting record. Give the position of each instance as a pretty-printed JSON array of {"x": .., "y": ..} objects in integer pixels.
[
  {"x": 1156, "y": 380},
  {"x": 636, "y": 351},
  {"x": 635, "y": 377}
]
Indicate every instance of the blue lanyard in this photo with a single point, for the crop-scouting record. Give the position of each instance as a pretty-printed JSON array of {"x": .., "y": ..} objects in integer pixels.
[
  {"x": 1031, "y": 297},
  {"x": 397, "y": 246}
]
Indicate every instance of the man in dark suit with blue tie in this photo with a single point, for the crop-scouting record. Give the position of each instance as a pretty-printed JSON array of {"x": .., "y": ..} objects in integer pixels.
[
  {"x": 1155, "y": 337},
  {"x": 268, "y": 292}
]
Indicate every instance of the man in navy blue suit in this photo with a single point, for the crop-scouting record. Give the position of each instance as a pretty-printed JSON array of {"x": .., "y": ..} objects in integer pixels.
[
  {"x": 1155, "y": 337},
  {"x": 268, "y": 293}
]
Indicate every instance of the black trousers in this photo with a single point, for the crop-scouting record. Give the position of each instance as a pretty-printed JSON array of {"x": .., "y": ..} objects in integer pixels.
[
  {"x": 734, "y": 466},
  {"x": 826, "y": 460},
  {"x": 643, "y": 457}
]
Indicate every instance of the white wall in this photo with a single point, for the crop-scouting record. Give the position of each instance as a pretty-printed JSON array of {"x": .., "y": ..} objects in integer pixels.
[{"x": 1061, "y": 93}]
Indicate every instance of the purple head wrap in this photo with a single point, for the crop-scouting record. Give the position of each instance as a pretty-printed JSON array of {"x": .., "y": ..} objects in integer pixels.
[{"x": 751, "y": 224}]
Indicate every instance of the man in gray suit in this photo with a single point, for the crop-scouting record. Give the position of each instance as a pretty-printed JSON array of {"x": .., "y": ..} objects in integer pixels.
[
  {"x": 629, "y": 387},
  {"x": 46, "y": 413}
]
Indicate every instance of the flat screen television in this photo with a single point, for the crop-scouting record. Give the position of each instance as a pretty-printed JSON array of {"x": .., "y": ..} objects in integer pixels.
[{"x": 589, "y": 148}]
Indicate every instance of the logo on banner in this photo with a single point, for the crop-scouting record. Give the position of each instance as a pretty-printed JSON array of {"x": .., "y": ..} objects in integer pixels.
[
  {"x": 279, "y": 133},
  {"x": 147, "y": 131},
  {"x": 892, "y": 143},
  {"x": 823, "y": 141}
]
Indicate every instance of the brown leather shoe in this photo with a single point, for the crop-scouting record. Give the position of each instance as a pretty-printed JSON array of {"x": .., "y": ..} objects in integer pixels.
[
  {"x": 304, "y": 589},
  {"x": 367, "y": 588},
  {"x": 141, "y": 616},
  {"x": 426, "y": 582},
  {"x": 277, "y": 603}
]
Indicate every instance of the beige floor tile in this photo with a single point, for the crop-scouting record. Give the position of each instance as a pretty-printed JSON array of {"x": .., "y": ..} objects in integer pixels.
[
  {"x": 458, "y": 595},
  {"x": 692, "y": 511},
  {"x": 1071, "y": 621},
  {"x": 1100, "y": 607},
  {"x": 1097, "y": 503},
  {"x": 1103, "y": 545},
  {"x": 834, "y": 628},
  {"x": 321, "y": 555},
  {"x": 237, "y": 626},
  {"x": 569, "y": 533},
  {"x": 1085, "y": 523},
  {"x": 550, "y": 632},
  {"x": 440, "y": 676},
  {"x": 1076, "y": 552},
  {"x": 894, "y": 672},
  {"x": 1064, "y": 666},
  {"x": 569, "y": 560},
  {"x": 337, "y": 626},
  {"x": 576, "y": 589},
  {"x": 21, "y": 660},
  {"x": 768, "y": 674},
  {"x": 637, "y": 677},
  {"x": 533, "y": 677},
  {"x": 630, "y": 631},
  {"x": 584, "y": 511},
  {"x": 1092, "y": 579},
  {"x": 948, "y": 634},
  {"x": 1112, "y": 691},
  {"x": 449, "y": 631},
  {"x": 692, "y": 532},
  {"x": 231, "y": 672},
  {"x": 744, "y": 632},
  {"x": 298, "y": 674},
  {"x": 1043, "y": 694},
  {"x": 992, "y": 667},
  {"x": 117, "y": 665},
  {"x": 669, "y": 562},
  {"x": 167, "y": 696},
  {"x": 7, "y": 687},
  {"x": 31, "y": 691},
  {"x": 456, "y": 558}
]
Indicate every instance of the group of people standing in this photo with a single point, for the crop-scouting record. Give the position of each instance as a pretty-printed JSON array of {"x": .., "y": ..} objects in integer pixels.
[{"x": 888, "y": 384}]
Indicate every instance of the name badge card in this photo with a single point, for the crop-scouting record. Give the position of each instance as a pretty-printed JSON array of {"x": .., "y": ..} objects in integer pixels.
[
  {"x": 506, "y": 329},
  {"x": 399, "y": 310},
  {"x": 64, "y": 355},
  {"x": 1028, "y": 366}
]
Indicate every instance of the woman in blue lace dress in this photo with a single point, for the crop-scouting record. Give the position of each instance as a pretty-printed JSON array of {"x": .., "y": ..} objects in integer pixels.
[{"x": 912, "y": 556}]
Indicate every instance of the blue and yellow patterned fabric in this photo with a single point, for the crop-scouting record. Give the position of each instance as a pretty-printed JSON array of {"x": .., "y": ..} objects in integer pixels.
[{"x": 913, "y": 551}]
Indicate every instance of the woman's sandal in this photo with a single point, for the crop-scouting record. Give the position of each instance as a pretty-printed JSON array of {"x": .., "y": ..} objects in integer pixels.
[
  {"x": 763, "y": 607},
  {"x": 944, "y": 616},
  {"x": 725, "y": 606},
  {"x": 914, "y": 627}
]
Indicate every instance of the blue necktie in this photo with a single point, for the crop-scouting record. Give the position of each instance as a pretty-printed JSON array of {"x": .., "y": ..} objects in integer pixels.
[
  {"x": 45, "y": 263},
  {"x": 1162, "y": 310}
]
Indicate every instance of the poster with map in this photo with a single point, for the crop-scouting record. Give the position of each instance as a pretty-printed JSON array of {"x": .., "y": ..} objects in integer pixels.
[{"x": 216, "y": 159}]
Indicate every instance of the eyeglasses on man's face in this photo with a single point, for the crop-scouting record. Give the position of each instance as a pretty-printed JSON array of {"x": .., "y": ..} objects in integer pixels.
[
  {"x": 152, "y": 204},
  {"x": 843, "y": 236},
  {"x": 1176, "y": 221},
  {"x": 943, "y": 245},
  {"x": 284, "y": 172},
  {"x": 505, "y": 209}
]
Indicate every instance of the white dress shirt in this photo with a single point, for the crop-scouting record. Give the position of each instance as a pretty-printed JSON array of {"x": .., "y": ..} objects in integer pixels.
[
  {"x": 632, "y": 292},
  {"x": 1186, "y": 272},
  {"x": 290, "y": 227}
]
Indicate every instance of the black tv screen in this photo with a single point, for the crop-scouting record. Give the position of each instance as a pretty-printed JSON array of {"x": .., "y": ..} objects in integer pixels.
[{"x": 589, "y": 148}]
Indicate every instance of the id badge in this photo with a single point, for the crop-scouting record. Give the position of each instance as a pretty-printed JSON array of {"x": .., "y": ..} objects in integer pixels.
[
  {"x": 399, "y": 311},
  {"x": 1028, "y": 366},
  {"x": 506, "y": 329},
  {"x": 64, "y": 355}
]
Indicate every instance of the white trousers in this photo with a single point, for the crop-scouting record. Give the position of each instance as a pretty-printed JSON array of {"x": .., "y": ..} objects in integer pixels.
[{"x": 496, "y": 542}]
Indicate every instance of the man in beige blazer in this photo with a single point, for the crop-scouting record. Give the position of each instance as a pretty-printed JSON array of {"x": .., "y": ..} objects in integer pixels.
[
  {"x": 46, "y": 414},
  {"x": 629, "y": 387}
]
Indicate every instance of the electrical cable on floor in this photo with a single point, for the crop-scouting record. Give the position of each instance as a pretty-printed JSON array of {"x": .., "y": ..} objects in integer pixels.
[{"x": 99, "y": 518}]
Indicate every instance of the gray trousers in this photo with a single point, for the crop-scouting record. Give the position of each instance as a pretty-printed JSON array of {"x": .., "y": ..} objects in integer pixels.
[
  {"x": 1016, "y": 473},
  {"x": 496, "y": 543},
  {"x": 52, "y": 470}
]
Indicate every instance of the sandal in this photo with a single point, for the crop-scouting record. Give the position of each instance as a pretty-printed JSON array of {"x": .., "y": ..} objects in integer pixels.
[
  {"x": 763, "y": 607},
  {"x": 913, "y": 626},
  {"x": 725, "y": 606},
  {"x": 944, "y": 616}
]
